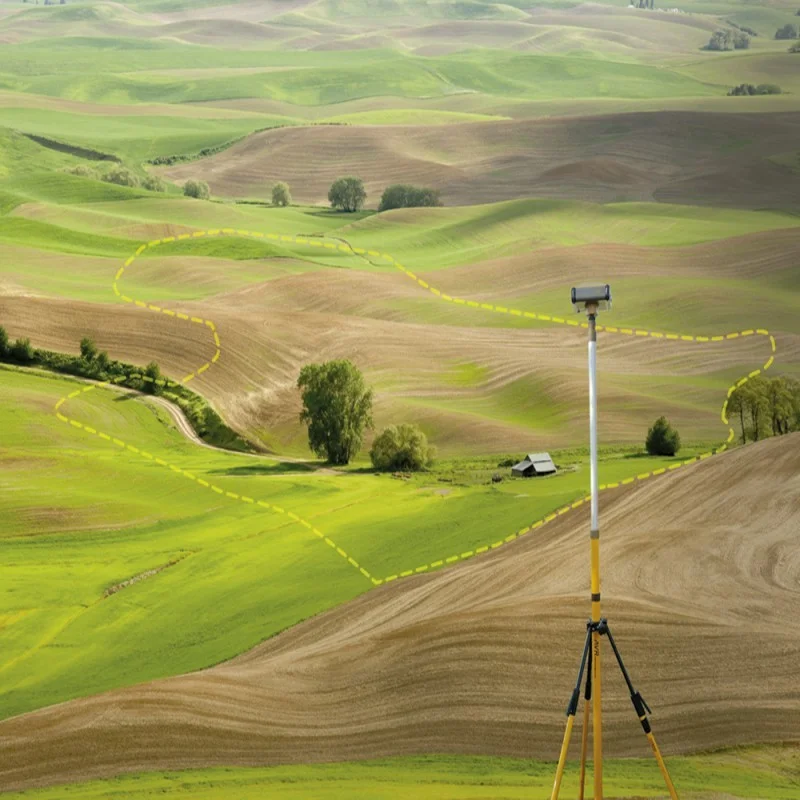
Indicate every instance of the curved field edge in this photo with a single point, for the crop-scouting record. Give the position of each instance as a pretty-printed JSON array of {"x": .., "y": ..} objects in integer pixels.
[{"x": 766, "y": 773}]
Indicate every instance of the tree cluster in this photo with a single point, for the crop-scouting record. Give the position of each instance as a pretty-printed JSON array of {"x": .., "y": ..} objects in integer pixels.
[
  {"x": 744, "y": 89},
  {"x": 788, "y": 31},
  {"x": 651, "y": 4},
  {"x": 766, "y": 407},
  {"x": 337, "y": 407},
  {"x": 401, "y": 448},
  {"x": 402, "y": 195},
  {"x": 728, "y": 40}
]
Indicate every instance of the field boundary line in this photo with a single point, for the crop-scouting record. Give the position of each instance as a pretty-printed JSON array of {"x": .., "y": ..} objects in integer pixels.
[
  {"x": 316, "y": 240},
  {"x": 211, "y": 327}
]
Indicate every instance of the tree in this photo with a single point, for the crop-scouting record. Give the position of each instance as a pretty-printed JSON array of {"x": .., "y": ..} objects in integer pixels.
[
  {"x": 404, "y": 196},
  {"x": 281, "y": 196},
  {"x": 662, "y": 439},
  {"x": 737, "y": 405},
  {"x": 152, "y": 378},
  {"x": 22, "y": 351},
  {"x": 721, "y": 40},
  {"x": 3, "y": 342},
  {"x": 197, "y": 189},
  {"x": 780, "y": 404},
  {"x": 88, "y": 349},
  {"x": 788, "y": 31},
  {"x": 754, "y": 397},
  {"x": 154, "y": 184},
  {"x": 741, "y": 41},
  {"x": 337, "y": 406},
  {"x": 401, "y": 447},
  {"x": 121, "y": 176},
  {"x": 347, "y": 194}
]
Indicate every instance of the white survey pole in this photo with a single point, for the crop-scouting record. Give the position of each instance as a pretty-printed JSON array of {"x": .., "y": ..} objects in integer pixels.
[{"x": 593, "y": 418}]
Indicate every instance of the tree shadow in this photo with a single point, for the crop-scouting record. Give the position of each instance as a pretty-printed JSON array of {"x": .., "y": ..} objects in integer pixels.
[{"x": 279, "y": 468}]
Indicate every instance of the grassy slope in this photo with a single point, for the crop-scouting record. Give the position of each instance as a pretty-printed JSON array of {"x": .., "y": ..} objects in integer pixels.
[
  {"x": 768, "y": 773},
  {"x": 245, "y": 573}
]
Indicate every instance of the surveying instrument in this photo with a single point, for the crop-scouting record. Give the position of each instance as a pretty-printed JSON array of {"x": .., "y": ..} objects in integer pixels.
[{"x": 591, "y": 300}]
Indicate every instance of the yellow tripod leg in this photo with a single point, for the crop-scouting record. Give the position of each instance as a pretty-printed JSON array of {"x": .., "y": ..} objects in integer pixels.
[
  {"x": 572, "y": 709},
  {"x": 562, "y": 759},
  {"x": 662, "y": 765}
]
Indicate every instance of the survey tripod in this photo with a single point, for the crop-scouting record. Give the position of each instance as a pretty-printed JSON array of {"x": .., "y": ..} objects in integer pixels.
[{"x": 591, "y": 300}]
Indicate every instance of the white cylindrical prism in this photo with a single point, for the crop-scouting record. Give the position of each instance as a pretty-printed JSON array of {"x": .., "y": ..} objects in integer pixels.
[{"x": 593, "y": 425}]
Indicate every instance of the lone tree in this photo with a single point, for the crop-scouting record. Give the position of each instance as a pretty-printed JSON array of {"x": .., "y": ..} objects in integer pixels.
[
  {"x": 403, "y": 448},
  {"x": 337, "y": 406},
  {"x": 152, "y": 378},
  {"x": 662, "y": 439},
  {"x": 347, "y": 194},
  {"x": 22, "y": 351},
  {"x": 281, "y": 196},
  {"x": 404, "y": 196},
  {"x": 88, "y": 349},
  {"x": 196, "y": 189}
]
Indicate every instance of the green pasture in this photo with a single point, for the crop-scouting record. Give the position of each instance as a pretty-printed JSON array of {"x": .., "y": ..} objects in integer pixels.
[
  {"x": 81, "y": 516},
  {"x": 755, "y": 773},
  {"x": 133, "y": 138}
]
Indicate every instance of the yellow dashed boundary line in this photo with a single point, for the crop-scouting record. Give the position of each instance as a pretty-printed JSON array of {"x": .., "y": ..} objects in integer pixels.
[
  {"x": 211, "y": 327},
  {"x": 312, "y": 242}
]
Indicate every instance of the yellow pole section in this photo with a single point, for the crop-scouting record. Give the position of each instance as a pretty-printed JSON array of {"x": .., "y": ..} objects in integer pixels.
[
  {"x": 597, "y": 719},
  {"x": 662, "y": 766},
  {"x": 562, "y": 759}
]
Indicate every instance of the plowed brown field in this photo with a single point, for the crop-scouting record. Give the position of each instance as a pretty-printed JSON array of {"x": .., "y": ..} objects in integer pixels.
[
  {"x": 480, "y": 658},
  {"x": 681, "y": 157}
]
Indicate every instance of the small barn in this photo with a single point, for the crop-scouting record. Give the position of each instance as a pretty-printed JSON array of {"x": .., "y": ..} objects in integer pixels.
[{"x": 534, "y": 464}]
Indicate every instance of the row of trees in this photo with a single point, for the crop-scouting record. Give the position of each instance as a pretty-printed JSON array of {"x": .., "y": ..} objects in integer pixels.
[
  {"x": 348, "y": 194},
  {"x": 766, "y": 407},
  {"x": 122, "y": 176},
  {"x": 95, "y": 364},
  {"x": 337, "y": 407},
  {"x": 744, "y": 89}
]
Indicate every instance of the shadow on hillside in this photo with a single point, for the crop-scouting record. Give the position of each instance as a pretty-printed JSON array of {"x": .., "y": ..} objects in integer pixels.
[{"x": 266, "y": 469}]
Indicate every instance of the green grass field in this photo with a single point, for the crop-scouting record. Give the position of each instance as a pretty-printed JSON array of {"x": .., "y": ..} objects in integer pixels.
[
  {"x": 768, "y": 773},
  {"x": 118, "y": 569},
  {"x": 241, "y": 574}
]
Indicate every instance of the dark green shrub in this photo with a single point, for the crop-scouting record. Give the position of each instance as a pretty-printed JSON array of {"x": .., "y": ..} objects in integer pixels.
[
  {"x": 662, "y": 439},
  {"x": 121, "y": 176},
  {"x": 405, "y": 196},
  {"x": 197, "y": 189},
  {"x": 154, "y": 184},
  {"x": 3, "y": 342},
  {"x": 22, "y": 351},
  {"x": 82, "y": 170},
  {"x": 401, "y": 448},
  {"x": 788, "y": 31}
]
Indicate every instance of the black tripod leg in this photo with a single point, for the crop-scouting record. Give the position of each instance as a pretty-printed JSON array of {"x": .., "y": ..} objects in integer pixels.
[
  {"x": 572, "y": 708},
  {"x": 642, "y": 710},
  {"x": 587, "y": 697}
]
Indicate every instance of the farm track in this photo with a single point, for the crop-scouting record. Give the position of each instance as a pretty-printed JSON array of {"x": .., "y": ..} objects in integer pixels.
[{"x": 486, "y": 612}]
